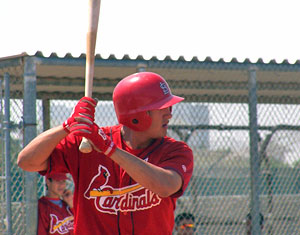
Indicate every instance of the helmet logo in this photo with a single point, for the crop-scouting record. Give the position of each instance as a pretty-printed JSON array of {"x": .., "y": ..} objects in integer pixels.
[{"x": 164, "y": 87}]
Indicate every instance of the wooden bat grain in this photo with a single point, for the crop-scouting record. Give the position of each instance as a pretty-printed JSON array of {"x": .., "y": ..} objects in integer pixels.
[{"x": 91, "y": 38}]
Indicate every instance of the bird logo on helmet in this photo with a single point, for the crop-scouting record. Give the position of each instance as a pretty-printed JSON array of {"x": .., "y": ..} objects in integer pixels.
[
  {"x": 165, "y": 88},
  {"x": 138, "y": 93}
]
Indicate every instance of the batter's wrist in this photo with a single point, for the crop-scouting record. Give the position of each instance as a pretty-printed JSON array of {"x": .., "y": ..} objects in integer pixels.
[
  {"x": 111, "y": 149},
  {"x": 66, "y": 127}
]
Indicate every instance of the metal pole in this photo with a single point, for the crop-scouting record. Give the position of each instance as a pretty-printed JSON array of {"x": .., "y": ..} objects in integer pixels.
[
  {"x": 46, "y": 114},
  {"x": 254, "y": 156},
  {"x": 30, "y": 133},
  {"x": 7, "y": 152},
  {"x": 46, "y": 125},
  {"x": 2, "y": 166}
]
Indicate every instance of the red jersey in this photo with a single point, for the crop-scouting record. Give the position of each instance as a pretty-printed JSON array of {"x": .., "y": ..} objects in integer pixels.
[
  {"x": 107, "y": 200},
  {"x": 53, "y": 219}
]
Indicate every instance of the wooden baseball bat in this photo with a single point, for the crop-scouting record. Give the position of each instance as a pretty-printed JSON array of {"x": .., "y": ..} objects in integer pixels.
[{"x": 91, "y": 37}]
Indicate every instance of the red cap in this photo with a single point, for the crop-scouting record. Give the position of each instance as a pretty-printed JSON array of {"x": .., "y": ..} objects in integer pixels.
[{"x": 57, "y": 176}]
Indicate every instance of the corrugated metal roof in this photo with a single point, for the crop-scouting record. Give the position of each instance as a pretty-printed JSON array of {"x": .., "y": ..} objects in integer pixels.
[{"x": 206, "y": 80}]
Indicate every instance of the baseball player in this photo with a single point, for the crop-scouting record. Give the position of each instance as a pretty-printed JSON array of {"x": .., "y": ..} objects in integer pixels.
[
  {"x": 131, "y": 180},
  {"x": 55, "y": 210},
  {"x": 248, "y": 223},
  {"x": 185, "y": 224}
]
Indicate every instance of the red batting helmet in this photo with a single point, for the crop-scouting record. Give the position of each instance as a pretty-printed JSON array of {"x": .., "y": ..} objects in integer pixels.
[{"x": 138, "y": 93}]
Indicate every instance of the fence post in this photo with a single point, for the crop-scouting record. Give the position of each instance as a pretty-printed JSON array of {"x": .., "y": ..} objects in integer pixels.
[
  {"x": 46, "y": 124},
  {"x": 2, "y": 155},
  {"x": 7, "y": 152},
  {"x": 29, "y": 133},
  {"x": 254, "y": 156},
  {"x": 46, "y": 114}
]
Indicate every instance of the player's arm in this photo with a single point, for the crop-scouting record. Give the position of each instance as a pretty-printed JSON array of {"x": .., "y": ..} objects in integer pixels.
[
  {"x": 34, "y": 157},
  {"x": 163, "y": 182}
]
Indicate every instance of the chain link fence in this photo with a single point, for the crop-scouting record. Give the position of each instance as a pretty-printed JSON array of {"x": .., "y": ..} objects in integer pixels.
[
  {"x": 15, "y": 209},
  {"x": 218, "y": 132}
]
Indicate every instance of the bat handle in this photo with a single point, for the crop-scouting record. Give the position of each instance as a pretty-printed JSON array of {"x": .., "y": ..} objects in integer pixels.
[{"x": 85, "y": 146}]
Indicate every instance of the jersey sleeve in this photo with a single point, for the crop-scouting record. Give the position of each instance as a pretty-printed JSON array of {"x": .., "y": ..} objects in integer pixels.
[
  {"x": 179, "y": 157},
  {"x": 43, "y": 219}
]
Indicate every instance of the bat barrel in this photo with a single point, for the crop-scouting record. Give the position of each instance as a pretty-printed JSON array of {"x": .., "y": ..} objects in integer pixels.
[{"x": 91, "y": 38}]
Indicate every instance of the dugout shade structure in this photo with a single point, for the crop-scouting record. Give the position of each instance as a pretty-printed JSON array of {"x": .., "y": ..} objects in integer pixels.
[{"x": 198, "y": 81}]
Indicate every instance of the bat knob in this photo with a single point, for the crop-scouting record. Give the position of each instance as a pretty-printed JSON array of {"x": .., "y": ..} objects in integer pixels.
[{"x": 85, "y": 146}]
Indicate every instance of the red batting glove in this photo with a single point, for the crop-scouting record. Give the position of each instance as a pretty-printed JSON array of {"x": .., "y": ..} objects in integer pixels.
[
  {"x": 84, "y": 111},
  {"x": 99, "y": 140}
]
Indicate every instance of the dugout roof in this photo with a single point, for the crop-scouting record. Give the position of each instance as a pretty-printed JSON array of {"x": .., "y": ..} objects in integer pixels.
[{"x": 200, "y": 81}]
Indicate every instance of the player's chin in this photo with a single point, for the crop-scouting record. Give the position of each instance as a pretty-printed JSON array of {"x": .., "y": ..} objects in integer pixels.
[
  {"x": 158, "y": 132},
  {"x": 61, "y": 192},
  {"x": 163, "y": 131}
]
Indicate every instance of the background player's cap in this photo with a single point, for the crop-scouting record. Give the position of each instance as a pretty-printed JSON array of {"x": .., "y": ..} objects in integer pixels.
[{"x": 57, "y": 176}]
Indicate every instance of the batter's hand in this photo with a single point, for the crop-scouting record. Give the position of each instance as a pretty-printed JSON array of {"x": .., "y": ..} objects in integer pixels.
[
  {"x": 84, "y": 111},
  {"x": 95, "y": 134}
]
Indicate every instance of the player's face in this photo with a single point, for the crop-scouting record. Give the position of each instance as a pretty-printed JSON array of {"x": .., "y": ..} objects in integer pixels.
[
  {"x": 249, "y": 227},
  {"x": 186, "y": 227},
  {"x": 160, "y": 119},
  {"x": 56, "y": 188}
]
